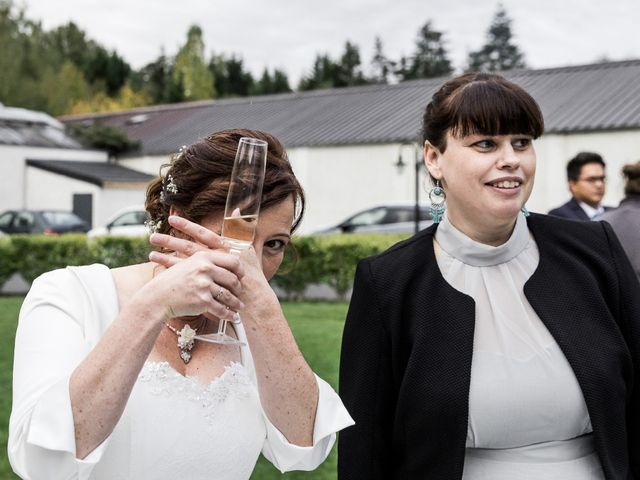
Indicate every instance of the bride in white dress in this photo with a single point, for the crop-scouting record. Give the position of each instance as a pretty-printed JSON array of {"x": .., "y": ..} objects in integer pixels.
[{"x": 108, "y": 382}]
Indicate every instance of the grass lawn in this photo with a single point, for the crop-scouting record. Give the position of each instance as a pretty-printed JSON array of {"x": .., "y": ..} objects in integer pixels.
[{"x": 316, "y": 326}]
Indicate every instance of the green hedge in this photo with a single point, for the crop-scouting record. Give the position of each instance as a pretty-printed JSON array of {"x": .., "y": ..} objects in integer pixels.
[
  {"x": 7, "y": 259},
  {"x": 32, "y": 255},
  {"x": 330, "y": 259},
  {"x": 311, "y": 260}
]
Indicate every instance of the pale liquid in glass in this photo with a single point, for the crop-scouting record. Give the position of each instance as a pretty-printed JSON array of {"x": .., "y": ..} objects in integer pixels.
[{"x": 238, "y": 231}]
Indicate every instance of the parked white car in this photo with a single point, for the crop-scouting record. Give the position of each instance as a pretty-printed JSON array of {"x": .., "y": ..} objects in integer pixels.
[{"x": 127, "y": 222}]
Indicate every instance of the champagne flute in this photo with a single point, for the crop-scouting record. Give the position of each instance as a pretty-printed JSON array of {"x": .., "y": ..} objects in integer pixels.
[{"x": 241, "y": 211}]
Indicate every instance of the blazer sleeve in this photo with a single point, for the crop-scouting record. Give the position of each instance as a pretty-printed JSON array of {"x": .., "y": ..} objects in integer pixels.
[
  {"x": 364, "y": 450},
  {"x": 629, "y": 320}
]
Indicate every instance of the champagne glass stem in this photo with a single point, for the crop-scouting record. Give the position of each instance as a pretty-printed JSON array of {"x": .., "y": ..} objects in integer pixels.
[{"x": 222, "y": 324}]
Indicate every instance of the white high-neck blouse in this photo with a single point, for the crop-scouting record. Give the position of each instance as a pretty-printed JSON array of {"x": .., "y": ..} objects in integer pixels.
[{"x": 527, "y": 415}]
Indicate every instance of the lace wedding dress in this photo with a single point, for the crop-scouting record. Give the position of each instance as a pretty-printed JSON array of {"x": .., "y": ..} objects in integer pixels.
[{"x": 172, "y": 427}]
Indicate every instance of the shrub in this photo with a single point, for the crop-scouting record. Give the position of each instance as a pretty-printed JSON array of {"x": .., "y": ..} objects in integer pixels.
[
  {"x": 7, "y": 259},
  {"x": 301, "y": 267},
  {"x": 33, "y": 255},
  {"x": 37, "y": 254},
  {"x": 343, "y": 252},
  {"x": 120, "y": 251},
  {"x": 328, "y": 259}
]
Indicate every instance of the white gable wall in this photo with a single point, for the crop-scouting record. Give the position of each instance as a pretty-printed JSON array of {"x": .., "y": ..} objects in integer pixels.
[
  {"x": 617, "y": 148},
  {"x": 148, "y": 164},
  {"x": 47, "y": 190},
  {"x": 339, "y": 181},
  {"x": 13, "y": 191}
]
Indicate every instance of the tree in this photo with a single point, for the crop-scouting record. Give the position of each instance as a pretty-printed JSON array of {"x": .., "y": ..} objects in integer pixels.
[
  {"x": 280, "y": 82},
  {"x": 155, "y": 80},
  {"x": 109, "y": 69},
  {"x": 101, "y": 102},
  {"x": 63, "y": 87},
  {"x": 264, "y": 86},
  {"x": 381, "y": 67},
  {"x": 430, "y": 58},
  {"x": 190, "y": 70},
  {"x": 271, "y": 84},
  {"x": 326, "y": 73},
  {"x": 349, "y": 72},
  {"x": 498, "y": 53},
  {"x": 230, "y": 77},
  {"x": 103, "y": 137},
  {"x": 322, "y": 75},
  {"x": 69, "y": 43},
  {"x": 22, "y": 59},
  {"x": 102, "y": 69},
  {"x": 53, "y": 70}
]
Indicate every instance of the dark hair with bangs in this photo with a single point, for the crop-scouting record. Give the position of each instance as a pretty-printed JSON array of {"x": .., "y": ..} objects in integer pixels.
[{"x": 480, "y": 103}]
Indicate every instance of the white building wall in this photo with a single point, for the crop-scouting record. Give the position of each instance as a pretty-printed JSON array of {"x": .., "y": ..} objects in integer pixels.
[
  {"x": 13, "y": 192},
  {"x": 47, "y": 190},
  {"x": 147, "y": 164},
  {"x": 341, "y": 180},
  {"x": 554, "y": 151},
  {"x": 114, "y": 199}
]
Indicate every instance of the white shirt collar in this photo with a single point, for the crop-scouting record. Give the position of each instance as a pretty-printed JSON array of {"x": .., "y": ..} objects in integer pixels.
[{"x": 591, "y": 212}]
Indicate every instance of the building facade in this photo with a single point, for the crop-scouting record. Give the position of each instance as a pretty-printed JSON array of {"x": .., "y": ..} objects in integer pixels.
[{"x": 345, "y": 144}]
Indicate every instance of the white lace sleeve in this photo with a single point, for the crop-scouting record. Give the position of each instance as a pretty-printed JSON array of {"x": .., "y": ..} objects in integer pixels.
[
  {"x": 331, "y": 416},
  {"x": 50, "y": 342}
]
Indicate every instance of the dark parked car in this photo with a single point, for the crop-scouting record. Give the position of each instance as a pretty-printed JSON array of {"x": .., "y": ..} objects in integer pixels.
[
  {"x": 383, "y": 219},
  {"x": 49, "y": 222}
]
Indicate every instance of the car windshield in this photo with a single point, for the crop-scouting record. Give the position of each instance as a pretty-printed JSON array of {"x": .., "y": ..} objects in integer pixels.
[
  {"x": 61, "y": 218},
  {"x": 368, "y": 217},
  {"x": 130, "y": 218}
]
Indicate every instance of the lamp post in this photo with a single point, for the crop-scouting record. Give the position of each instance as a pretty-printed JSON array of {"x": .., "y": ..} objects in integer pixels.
[{"x": 417, "y": 166}]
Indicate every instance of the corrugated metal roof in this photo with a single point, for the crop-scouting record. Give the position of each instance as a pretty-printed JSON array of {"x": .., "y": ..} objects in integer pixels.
[
  {"x": 602, "y": 96},
  {"x": 97, "y": 173},
  {"x": 35, "y": 135},
  {"x": 19, "y": 126}
]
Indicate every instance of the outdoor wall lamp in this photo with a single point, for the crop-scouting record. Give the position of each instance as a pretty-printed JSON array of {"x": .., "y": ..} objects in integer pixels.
[{"x": 400, "y": 164}]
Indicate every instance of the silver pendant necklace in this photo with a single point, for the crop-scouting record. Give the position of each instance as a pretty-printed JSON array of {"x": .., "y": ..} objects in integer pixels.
[{"x": 186, "y": 339}]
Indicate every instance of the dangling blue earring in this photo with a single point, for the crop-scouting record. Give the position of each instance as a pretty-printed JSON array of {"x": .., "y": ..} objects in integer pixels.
[
  {"x": 437, "y": 198},
  {"x": 525, "y": 211}
]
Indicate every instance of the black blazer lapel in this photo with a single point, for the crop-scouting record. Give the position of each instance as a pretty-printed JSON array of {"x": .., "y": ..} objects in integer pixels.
[{"x": 577, "y": 210}]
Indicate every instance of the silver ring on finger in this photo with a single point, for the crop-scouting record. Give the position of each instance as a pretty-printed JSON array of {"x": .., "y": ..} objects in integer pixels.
[{"x": 219, "y": 294}]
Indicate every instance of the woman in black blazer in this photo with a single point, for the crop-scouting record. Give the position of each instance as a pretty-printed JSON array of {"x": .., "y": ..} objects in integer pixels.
[{"x": 495, "y": 345}]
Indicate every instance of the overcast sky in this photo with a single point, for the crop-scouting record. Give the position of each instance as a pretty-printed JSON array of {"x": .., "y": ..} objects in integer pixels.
[{"x": 287, "y": 34}]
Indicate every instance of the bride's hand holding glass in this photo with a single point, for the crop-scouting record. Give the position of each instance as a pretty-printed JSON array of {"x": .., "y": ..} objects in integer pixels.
[{"x": 207, "y": 275}]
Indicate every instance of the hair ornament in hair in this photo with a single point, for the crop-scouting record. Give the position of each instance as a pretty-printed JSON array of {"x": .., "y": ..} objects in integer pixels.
[
  {"x": 153, "y": 226},
  {"x": 168, "y": 186}
]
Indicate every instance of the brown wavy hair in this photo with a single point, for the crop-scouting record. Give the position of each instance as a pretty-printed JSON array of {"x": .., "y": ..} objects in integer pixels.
[{"x": 201, "y": 174}]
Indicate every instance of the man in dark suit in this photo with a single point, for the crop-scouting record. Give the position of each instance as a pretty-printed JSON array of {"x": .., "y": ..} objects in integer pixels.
[{"x": 585, "y": 174}]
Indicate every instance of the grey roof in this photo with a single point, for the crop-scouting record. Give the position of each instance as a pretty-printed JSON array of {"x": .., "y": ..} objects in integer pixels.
[
  {"x": 595, "y": 97},
  {"x": 97, "y": 173},
  {"x": 19, "y": 126}
]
